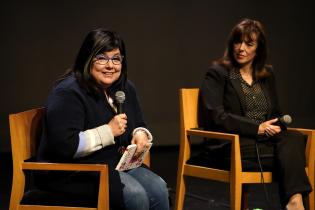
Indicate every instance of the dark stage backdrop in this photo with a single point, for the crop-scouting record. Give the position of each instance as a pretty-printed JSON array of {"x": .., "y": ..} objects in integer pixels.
[{"x": 169, "y": 43}]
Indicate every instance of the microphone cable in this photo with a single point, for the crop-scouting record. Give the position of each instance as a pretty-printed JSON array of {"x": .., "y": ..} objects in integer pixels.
[{"x": 262, "y": 176}]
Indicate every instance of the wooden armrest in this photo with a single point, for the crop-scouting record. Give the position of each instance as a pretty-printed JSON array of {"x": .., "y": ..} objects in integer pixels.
[
  {"x": 211, "y": 134},
  {"x": 302, "y": 130},
  {"x": 64, "y": 166},
  {"x": 103, "y": 192},
  {"x": 229, "y": 136}
]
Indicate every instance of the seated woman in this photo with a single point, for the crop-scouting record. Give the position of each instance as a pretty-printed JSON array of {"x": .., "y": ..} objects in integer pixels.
[
  {"x": 238, "y": 95},
  {"x": 82, "y": 125}
]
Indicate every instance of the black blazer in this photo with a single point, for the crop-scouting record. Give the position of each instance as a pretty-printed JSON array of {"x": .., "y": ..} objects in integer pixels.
[{"x": 223, "y": 102}]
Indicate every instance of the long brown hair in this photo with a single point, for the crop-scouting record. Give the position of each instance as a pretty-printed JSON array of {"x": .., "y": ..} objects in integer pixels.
[{"x": 246, "y": 29}]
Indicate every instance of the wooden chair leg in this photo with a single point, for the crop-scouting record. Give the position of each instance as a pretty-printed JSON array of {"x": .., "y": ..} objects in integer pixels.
[
  {"x": 235, "y": 195},
  {"x": 180, "y": 193},
  {"x": 311, "y": 200}
]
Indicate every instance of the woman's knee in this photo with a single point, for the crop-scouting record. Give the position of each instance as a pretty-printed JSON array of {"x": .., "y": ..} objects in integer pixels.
[
  {"x": 293, "y": 140},
  {"x": 161, "y": 185},
  {"x": 135, "y": 197},
  {"x": 153, "y": 184},
  {"x": 291, "y": 147}
]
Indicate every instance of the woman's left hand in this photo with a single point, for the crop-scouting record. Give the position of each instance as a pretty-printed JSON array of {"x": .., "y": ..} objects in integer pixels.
[
  {"x": 268, "y": 128},
  {"x": 141, "y": 140}
]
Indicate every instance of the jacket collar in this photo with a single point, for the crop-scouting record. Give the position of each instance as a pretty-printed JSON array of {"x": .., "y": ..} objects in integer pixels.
[{"x": 237, "y": 86}]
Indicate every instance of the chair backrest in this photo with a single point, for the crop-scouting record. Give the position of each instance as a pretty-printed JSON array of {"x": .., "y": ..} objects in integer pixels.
[
  {"x": 25, "y": 128},
  {"x": 189, "y": 106}
]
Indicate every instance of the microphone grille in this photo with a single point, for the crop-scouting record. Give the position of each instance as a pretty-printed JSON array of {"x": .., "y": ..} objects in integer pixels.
[
  {"x": 120, "y": 97},
  {"x": 287, "y": 119}
]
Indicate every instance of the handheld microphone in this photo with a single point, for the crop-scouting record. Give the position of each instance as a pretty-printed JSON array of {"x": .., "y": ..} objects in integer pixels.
[
  {"x": 120, "y": 99},
  {"x": 285, "y": 119}
]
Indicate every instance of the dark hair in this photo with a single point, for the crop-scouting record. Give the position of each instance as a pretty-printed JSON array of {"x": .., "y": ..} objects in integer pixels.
[
  {"x": 246, "y": 29},
  {"x": 96, "y": 42}
]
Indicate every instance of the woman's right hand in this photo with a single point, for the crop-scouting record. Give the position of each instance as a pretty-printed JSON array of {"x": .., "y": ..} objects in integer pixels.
[
  {"x": 268, "y": 128},
  {"x": 118, "y": 124}
]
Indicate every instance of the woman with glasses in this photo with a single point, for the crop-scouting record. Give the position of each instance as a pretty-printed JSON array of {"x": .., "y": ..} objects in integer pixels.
[
  {"x": 84, "y": 123},
  {"x": 238, "y": 95}
]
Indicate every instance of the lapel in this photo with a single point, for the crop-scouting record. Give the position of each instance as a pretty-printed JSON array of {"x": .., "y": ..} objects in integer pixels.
[{"x": 236, "y": 84}]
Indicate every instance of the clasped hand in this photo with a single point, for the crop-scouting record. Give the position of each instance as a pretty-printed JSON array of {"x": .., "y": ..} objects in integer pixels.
[
  {"x": 118, "y": 124},
  {"x": 268, "y": 128}
]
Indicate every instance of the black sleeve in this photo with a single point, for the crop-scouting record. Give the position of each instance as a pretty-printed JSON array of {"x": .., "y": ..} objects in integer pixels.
[
  {"x": 64, "y": 121},
  {"x": 213, "y": 91}
]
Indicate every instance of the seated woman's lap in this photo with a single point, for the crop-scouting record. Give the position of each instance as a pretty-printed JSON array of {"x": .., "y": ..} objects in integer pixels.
[{"x": 143, "y": 188}]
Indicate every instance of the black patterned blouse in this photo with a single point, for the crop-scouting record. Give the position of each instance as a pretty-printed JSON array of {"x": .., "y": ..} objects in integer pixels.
[{"x": 255, "y": 100}]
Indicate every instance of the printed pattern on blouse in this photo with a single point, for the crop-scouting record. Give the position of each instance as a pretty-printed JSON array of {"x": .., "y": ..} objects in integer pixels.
[{"x": 255, "y": 100}]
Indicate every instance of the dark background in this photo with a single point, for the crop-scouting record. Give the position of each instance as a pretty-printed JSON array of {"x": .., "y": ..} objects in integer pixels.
[{"x": 169, "y": 43}]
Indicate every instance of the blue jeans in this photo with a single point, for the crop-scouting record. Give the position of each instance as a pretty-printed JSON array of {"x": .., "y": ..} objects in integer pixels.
[{"x": 144, "y": 190}]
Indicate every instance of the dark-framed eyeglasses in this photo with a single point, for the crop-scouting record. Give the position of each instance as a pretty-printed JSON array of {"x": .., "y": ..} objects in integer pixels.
[{"x": 103, "y": 59}]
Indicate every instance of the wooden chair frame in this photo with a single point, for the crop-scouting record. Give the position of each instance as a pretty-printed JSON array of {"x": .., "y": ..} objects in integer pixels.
[
  {"x": 24, "y": 130},
  {"x": 235, "y": 176}
]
